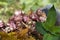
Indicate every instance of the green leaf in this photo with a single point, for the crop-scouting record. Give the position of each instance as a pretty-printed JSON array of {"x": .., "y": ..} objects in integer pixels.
[
  {"x": 51, "y": 18},
  {"x": 50, "y": 37},
  {"x": 48, "y": 26},
  {"x": 39, "y": 28},
  {"x": 55, "y": 29}
]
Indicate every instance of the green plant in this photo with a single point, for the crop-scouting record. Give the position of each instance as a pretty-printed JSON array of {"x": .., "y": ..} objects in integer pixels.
[{"x": 48, "y": 28}]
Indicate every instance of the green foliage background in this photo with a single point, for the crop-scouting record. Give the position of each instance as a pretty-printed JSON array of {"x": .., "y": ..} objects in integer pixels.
[{"x": 8, "y": 6}]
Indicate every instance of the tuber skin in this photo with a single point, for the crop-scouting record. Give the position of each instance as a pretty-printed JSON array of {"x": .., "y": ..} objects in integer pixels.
[
  {"x": 2, "y": 25},
  {"x": 20, "y": 21},
  {"x": 41, "y": 15}
]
